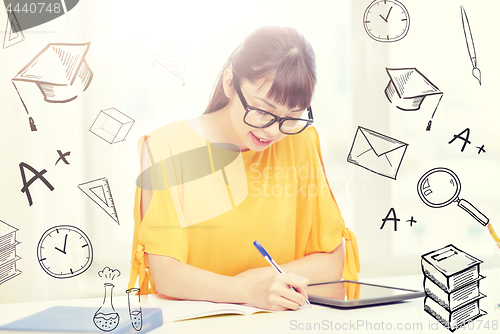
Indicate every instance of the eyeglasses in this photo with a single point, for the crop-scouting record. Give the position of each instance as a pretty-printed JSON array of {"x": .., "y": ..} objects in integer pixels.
[{"x": 258, "y": 118}]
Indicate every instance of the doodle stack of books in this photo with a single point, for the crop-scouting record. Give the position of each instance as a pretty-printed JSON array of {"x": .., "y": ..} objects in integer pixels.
[
  {"x": 451, "y": 284},
  {"x": 8, "y": 256}
]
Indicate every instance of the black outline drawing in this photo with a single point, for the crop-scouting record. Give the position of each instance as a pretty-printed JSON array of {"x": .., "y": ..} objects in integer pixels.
[
  {"x": 13, "y": 31},
  {"x": 394, "y": 218},
  {"x": 377, "y": 153},
  {"x": 407, "y": 89},
  {"x": 469, "y": 41},
  {"x": 106, "y": 318},
  {"x": 170, "y": 55},
  {"x": 93, "y": 189},
  {"x": 445, "y": 182},
  {"x": 60, "y": 72},
  {"x": 481, "y": 149},
  {"x": 112, "y": 125},
  {"x": 8, "y": 255},
  {"x": 62, "y": 156},
  {"x": 411, "y": 221},
  {"x": 38, "y": 175},
  {"x": 385, "y": 37},
  {"x": 135, "y": 314},
  {"x": 451, "y": 285},
  {"x": 459, "y": 136},
  {"x": 75, "y": 243}
]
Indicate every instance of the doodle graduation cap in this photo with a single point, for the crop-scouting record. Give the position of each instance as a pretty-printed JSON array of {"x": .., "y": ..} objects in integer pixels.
[
  {"x": 408, "y": 88},
  {"x": 60, "y": 71}
]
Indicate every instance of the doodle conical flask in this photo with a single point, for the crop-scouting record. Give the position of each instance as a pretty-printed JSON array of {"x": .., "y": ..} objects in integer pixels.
[{"x": 106, "y": 318}]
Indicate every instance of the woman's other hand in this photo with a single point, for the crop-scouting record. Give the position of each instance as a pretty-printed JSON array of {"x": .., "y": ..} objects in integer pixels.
[{"x": 274, "y": 293}]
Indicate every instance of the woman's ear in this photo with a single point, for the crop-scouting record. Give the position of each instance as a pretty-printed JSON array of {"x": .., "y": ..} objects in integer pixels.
[{"x": 227, "y": 83}]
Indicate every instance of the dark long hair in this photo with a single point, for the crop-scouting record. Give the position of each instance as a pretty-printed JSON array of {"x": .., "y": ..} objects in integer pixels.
[{"x": 279, "y": 54}]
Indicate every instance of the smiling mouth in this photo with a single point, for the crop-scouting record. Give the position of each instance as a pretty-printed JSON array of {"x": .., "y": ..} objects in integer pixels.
[{"x": 260, "y": 140}]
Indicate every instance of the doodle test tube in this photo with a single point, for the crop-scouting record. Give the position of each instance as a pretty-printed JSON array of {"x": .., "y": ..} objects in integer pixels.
[
  {"x": 134, "y": 307},
  {"x": 106, "y": 318}
]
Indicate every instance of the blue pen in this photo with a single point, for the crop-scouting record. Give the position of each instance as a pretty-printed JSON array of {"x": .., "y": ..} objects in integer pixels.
[{"x": 269, "y": 259}]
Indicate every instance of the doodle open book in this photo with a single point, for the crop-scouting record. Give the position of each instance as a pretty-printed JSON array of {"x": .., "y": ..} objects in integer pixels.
[{"x": 73, "y": 319}]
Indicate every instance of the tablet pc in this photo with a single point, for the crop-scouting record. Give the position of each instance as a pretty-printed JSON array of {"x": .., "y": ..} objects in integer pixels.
[{"x": 333, "y": 294}]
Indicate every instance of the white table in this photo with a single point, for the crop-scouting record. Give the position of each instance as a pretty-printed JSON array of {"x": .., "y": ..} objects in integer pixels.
[{"x": 400, "y": 317}]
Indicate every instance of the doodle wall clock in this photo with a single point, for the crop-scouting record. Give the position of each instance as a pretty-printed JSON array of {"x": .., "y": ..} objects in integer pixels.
[
  {"x": 386, "y": 20},
  {"x": 64, "y": 251}
]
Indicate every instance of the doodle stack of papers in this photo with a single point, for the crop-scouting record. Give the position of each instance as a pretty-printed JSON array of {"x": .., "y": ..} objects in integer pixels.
[
  {"x": 451, "y": 284},
  {"x": 377, "y": 153},
  {"x": 60, "y": 71},
  {"x": 8, "y": 257},
  {"x": 408, "y": 87}
]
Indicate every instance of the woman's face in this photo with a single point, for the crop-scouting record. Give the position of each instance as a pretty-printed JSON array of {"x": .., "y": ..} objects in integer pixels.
[{"x": 258, "y": 139}]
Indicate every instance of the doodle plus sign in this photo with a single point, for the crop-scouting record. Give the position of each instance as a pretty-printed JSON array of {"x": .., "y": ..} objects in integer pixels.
[
  {"x": 411, "y": 221},
  {"x": 63, "y": 157},
  {"x": 481, "y": 149}
]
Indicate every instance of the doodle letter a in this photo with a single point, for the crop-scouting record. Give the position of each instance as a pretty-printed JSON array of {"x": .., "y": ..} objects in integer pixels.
[
  {"x": 38, "y": 175},
  {"x": 393, "y": 218},
  {"x": 459, "y": 136}
]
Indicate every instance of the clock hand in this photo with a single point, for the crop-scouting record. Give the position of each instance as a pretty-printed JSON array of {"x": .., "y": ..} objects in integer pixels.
[
  {"x": 383, "y": 18},
  {"x": 64, "y": 247},
  {"x": 387, "y": 17}
]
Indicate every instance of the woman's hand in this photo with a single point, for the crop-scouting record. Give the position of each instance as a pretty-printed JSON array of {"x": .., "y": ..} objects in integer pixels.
[{"x": 274, "y": 293}]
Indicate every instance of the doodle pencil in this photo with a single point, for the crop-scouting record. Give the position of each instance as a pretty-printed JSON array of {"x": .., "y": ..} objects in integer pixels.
[{"x": 493, "y": 234}]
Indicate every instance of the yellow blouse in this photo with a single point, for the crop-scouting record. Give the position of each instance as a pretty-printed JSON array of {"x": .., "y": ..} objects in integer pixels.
[{"x": 289, "y": 209}]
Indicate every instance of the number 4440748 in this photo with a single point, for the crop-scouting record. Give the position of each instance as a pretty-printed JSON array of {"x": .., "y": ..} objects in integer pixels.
[{"x": 34, "y": 8}]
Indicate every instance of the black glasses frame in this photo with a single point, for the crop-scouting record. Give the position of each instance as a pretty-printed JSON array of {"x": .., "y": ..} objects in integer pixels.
[{"x": 277, "y": 118}]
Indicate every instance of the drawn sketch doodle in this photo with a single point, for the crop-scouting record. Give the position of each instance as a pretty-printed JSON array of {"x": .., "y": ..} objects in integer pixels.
[
  {"x": 407, "y": 89},
  {"x": 451, "y": 285},
  {"x": 60, "y": 71},
  {"x": 386, "y": 20},
  {"x": 64, "y": 251},
  {"x": 37, "y": 175},
  {"x": 169, "y": 54},
  {"x": 134, "y": 307},
  {"x": 62, "y": 157},
  {"x": 112, "y": 125},
  {"x": 106, "y": 318},
  {"x": 98, "y": 190},
  {"x": 377, "y": 153},
  {"x": 8, "y": 254},
  {"x": 440, "y": 187},
  {"x": 469, "y": 41},
  {"x": 13, "y": 32}
]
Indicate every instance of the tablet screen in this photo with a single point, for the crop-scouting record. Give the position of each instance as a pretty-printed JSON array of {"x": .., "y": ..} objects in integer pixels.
[{"x": 335, "y": 290}]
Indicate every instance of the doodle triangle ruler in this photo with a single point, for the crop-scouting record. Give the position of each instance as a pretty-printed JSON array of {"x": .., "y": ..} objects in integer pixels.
[
  {"x": 13, "y": 32},
  {"x": 98, "y": 191}
]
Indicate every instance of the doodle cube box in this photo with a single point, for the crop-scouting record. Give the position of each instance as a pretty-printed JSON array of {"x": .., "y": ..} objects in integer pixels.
[{"x": 112, "y": 125}]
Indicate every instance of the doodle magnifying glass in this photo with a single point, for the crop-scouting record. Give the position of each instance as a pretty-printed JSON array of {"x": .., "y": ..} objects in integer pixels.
[{"x": 440, "y": 187}]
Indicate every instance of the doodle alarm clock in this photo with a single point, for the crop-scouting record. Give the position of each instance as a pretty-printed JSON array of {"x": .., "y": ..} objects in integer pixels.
[
  {"x": 64, "y": 251},
  {"x": 386, "y": 20}
]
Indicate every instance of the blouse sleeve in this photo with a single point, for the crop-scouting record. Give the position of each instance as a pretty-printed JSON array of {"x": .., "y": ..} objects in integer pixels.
[
  {"x": 328, "y": 227},
  {"x": 159, "y": 231}
]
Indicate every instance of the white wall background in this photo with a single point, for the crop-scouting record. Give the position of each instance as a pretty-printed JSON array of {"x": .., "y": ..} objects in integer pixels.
[{"x": 349, "y": 93}]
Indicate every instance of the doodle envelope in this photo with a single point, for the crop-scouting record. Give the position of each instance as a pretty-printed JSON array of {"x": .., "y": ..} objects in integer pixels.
[{"x": 377, "y": 153}]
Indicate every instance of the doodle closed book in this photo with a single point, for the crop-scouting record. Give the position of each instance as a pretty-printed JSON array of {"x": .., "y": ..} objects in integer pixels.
[
  {"x": 73, "y": 319},
  {"x": 453, "y": 319},
  {"x": 8, "y": 256},
  {"x": 455, "y": 299},
  {"x": 450, "y": 268}
]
